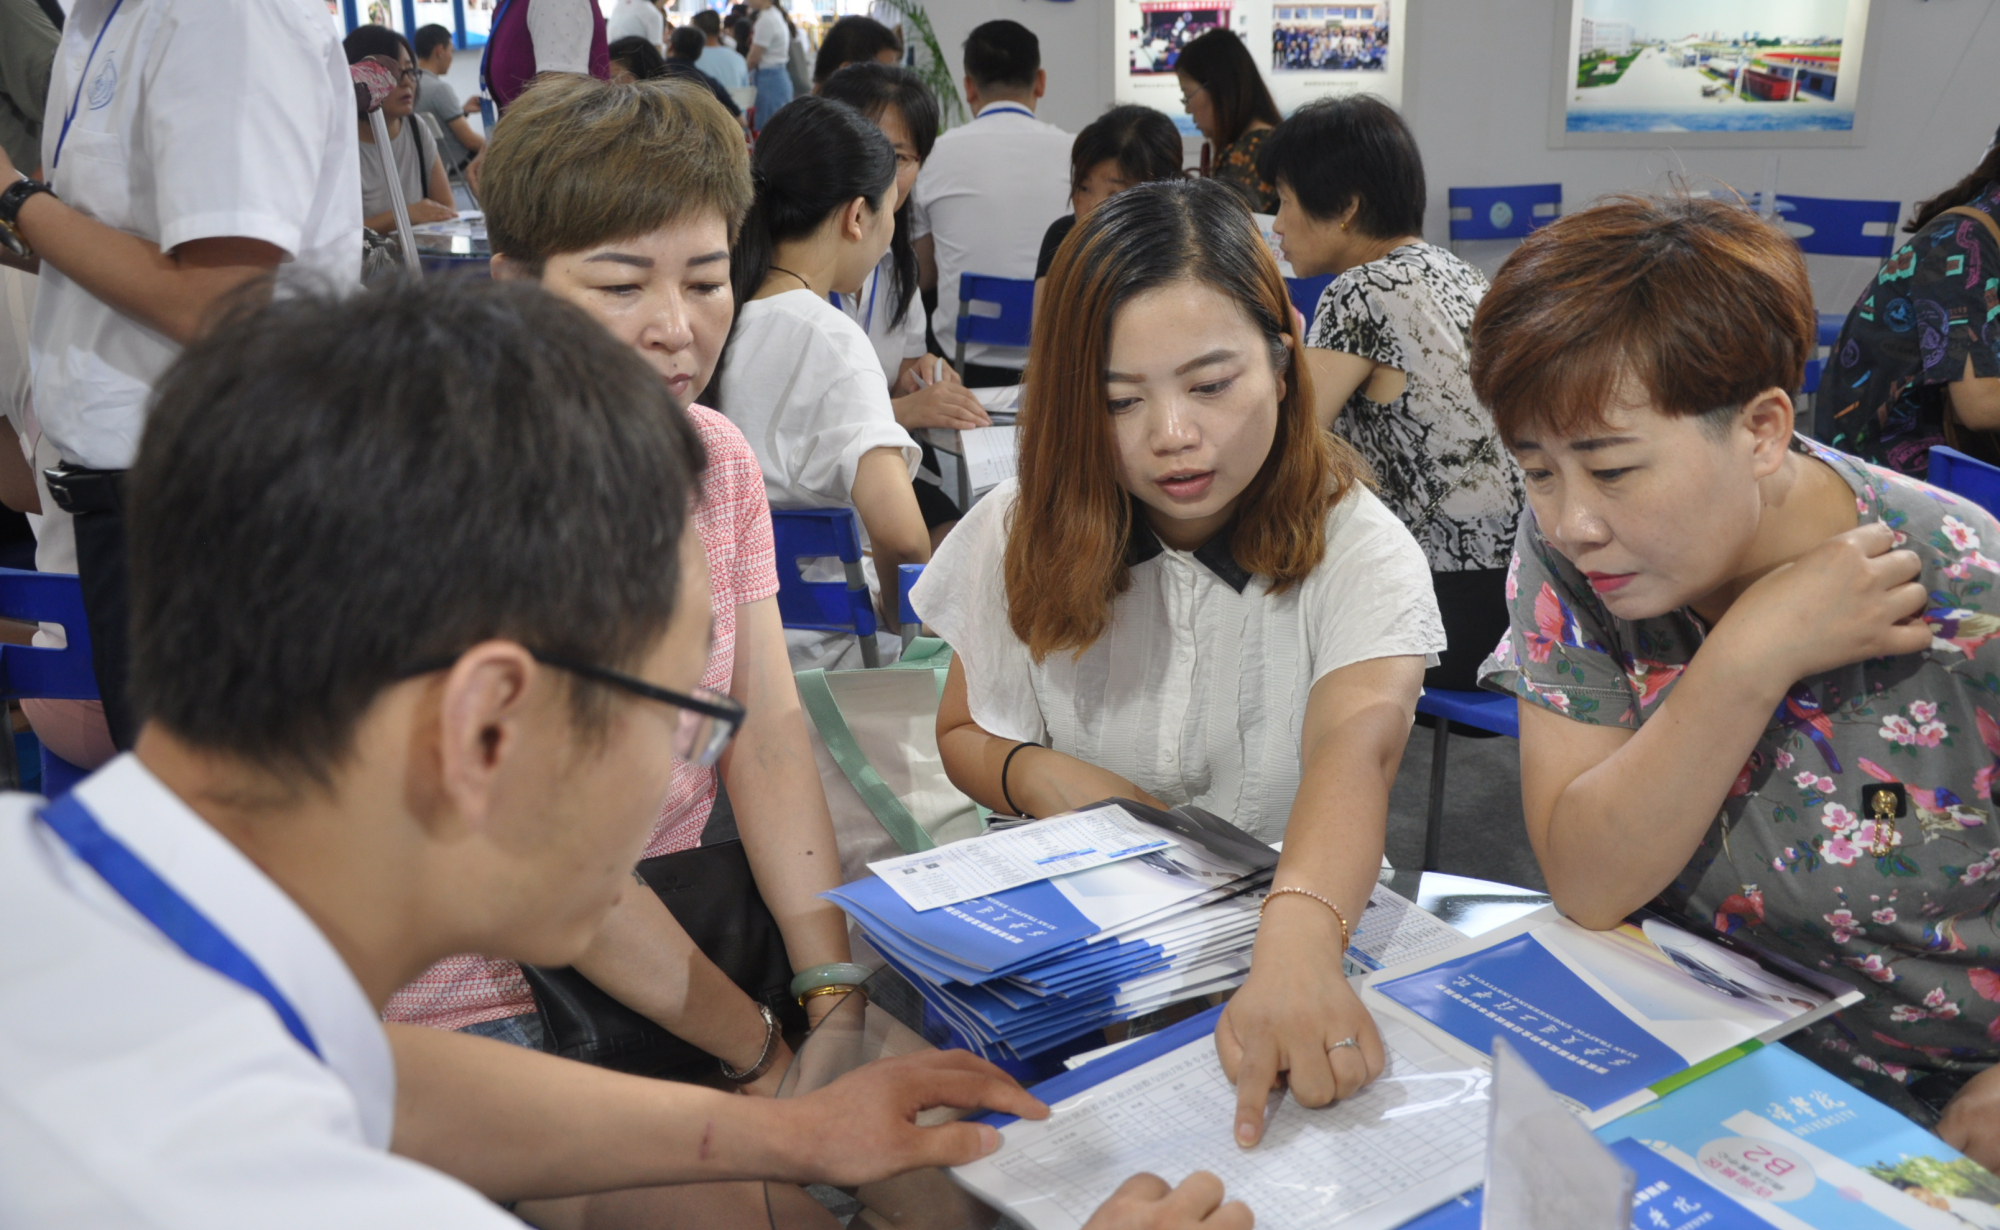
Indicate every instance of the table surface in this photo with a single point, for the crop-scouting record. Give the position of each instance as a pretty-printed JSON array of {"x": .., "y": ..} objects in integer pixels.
[{"x": 887, "y": 1021}]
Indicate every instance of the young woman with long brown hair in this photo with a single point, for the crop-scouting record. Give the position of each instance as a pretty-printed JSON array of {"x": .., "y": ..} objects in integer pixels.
[{"x": 1191, "y": 596}]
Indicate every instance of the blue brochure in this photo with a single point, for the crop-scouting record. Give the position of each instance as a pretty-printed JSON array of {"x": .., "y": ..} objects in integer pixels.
[{"x": 1668, "y": 1198}]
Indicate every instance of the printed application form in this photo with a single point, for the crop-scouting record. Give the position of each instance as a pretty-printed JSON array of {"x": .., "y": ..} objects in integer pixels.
[
  {"x": 985, "y": 865},
  {"x": 1412, "y": 1139}
]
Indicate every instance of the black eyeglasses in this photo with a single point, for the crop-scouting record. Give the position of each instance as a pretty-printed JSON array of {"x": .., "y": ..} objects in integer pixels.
[{"x": 708, "y": 720}]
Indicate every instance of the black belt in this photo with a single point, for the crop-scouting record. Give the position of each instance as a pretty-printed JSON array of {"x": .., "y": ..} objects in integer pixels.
[{"x": 78, "y": 490}]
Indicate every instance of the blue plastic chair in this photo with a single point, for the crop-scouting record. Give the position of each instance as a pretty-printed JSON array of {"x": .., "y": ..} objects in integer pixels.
[
  {"x": 1834, "y": 226},
  {"x": 1967, "y": 476},
  {"x": 1502, "y": 213},
  {"x": 1015, "y": 297},
  {"x": 906, "y": 578},
  {"x": 31, "y": 672},
  {"x": 1305, "y": 293},
  {"x": 823, "y": 606},
  {"x": 1479, "y": 710}
]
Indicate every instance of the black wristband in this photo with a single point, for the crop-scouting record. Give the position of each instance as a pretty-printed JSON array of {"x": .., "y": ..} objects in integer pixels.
[{"x": 1004, "y": 766}]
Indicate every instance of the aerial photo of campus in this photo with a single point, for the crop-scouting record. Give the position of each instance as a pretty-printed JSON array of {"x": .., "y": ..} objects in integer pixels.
[{"x": 1709, "y": 66}]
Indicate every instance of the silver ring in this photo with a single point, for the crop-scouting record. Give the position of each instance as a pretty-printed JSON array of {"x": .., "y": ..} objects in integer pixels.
[{"x": 1347, "y": 1041}]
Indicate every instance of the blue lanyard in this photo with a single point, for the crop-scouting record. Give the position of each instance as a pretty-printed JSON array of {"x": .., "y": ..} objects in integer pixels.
[
  {"x": 83, "y": 78},
  {"x": 1004, "y": 108},
  {"x": 868, "y": 319},
  {"x": 166, "y": 909}
]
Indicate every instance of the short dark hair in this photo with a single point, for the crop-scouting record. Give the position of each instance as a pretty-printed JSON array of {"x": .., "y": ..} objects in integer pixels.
[
  {"x": 708, "y": 23},
  {"x": 1701, "y": 303},
  {"x": 639, "y": 55},
  {"x": 1335, "y": 151},
  {"x": 687, "y": 43},
  {"x": 1219, "y": 63},
  {"x": 430, "y": 38},
  {"x": 1143, "y": 142},
  {"x": 457, "y": 460},
  {"x": 371, "y": 40},
  {"x": 1003, "y": 53},
  {"x": 853, "y": 40}
]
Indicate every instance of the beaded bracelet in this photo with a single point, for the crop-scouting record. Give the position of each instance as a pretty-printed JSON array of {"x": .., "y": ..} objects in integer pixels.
[{"x": 1307, "y": 892}]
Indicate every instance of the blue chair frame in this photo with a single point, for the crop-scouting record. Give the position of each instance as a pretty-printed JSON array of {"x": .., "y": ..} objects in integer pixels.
[
  {"x": 823, "y": 606},
  {"x": 1502, "y": 213},
  {"x": 33, "y": 672},
  {"x": 906, "y": 579},
  {"x": 1970, "y": 477},
  {"x": 1479, "y": 710},
  {"x": 1015, "y": 297}
]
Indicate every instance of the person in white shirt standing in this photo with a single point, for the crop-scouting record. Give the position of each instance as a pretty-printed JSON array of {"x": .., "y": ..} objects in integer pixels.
[
  {"x": 640, "y": 18},
  {"x": 768, "y": 58},
  {"x": 202, "y": 144},
  {"x": 985, "y": 196}
]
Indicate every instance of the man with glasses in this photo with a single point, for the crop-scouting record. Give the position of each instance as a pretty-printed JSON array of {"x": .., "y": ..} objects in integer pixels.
[
  {"x": 190, "y": 147},
  {"x": 417, "y": 659}
]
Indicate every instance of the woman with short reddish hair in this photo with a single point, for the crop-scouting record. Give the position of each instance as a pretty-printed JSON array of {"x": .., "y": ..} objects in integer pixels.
[
  {"x": 1756, "y": 675},
  {"x": 1191, "y": 596}
]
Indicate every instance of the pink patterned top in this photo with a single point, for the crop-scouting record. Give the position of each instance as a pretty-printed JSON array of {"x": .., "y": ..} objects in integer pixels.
[{"x": 735, "y": 526}]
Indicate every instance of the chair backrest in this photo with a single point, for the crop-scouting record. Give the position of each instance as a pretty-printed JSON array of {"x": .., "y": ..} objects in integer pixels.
[
  {"x": 1015, "y": 297},
  {"x": 907, "y": 575},
  {"x": 1503, "y": 213},
  {"x": 30, "y": 670},
  {"x": 821, "y": 606},
  {"x": 1967, "y": 476},
  {"x": 1305, "y": 293},
  {"x": 1830, "y": 226}
]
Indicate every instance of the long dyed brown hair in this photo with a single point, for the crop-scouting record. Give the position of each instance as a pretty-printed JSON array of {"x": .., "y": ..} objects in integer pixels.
[{"x": 1066, "y": 544}]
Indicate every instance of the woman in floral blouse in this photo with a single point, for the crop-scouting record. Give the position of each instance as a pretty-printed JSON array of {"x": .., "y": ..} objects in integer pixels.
[
  {"x": 1761, "y": 679},
  {"x": 1226, "y": 97},
  {"x": 1918, "y": 361}
]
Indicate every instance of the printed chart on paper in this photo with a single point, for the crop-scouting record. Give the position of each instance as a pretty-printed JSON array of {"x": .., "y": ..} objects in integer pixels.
[{"x": 1410, "y": 1140}]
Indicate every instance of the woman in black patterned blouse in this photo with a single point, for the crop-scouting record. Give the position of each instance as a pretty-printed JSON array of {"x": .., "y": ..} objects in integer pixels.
[
  {"x": 1918, "y": 362},
  {"x": 1389, "y": 355},
  {"x": 1226, "y": 96}
]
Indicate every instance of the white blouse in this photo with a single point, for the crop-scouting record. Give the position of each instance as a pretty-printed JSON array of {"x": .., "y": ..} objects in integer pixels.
[
  {"x": 1197, "y": 691},
  {"x": 874, "y": 308}
]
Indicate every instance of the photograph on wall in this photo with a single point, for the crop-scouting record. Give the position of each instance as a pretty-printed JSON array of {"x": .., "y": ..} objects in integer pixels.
[
  {"x": 1785, "y": 68},
  {"x": 1166, "y": 26},
  {"x": 1341, "y": 37},
  {"x": 1304, "y": 51}
]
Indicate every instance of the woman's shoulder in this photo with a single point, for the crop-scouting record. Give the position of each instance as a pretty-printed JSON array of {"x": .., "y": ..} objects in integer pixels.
[
  {"x": 808, "y": 322},
  {"x": 1362, "y": 533}
]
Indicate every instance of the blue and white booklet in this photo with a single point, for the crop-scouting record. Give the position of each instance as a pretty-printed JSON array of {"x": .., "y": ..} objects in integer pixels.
[
  {"x": 1613, "y": 1019},
  {"x": 1018, "y": 971}
]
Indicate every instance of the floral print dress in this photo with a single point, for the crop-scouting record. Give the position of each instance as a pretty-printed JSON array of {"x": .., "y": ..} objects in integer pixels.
[
  {"x": 1796, "y": 861},
  {"x": 1237, "y": 167}
]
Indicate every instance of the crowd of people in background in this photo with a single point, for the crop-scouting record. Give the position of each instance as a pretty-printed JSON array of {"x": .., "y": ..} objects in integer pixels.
[
  {"x": 423, "y": 615},
  {"x": 1347, "y": 48}
]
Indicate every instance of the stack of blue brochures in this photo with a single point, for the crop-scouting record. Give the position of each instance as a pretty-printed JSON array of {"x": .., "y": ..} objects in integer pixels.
[{"x": 1025, "y": 968}]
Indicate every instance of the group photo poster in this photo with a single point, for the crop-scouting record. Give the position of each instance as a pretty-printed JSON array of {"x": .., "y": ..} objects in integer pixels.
[
  {"x": 1305, "y": 51},
  {"x": 1708, "y": 72}
]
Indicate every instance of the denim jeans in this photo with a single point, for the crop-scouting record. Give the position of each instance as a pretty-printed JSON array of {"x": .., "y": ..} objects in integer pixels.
[
  {"x": 524, "y": 1030},
  {"x": 774, "y": 90}
]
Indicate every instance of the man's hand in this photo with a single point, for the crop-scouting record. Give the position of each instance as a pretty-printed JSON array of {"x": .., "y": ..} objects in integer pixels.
[
  {"x": 427, "y": 210},
  {"x": 1143, "y": 1202},
  {"x": 863, "y": 1127},
  {"x": 1971, "y": 1124}
]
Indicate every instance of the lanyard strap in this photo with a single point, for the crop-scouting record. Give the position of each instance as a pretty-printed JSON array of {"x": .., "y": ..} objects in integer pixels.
[
  {"x": 82, "y": 79},
  {"x": 173, "y": 914}
]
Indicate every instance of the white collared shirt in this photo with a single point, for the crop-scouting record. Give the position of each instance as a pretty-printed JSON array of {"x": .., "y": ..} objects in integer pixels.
[
  {"x": 1197, "y": 690},
  {"x": 141, "y": 1088},
  {"x": 636, "y": 18},
  {"x": 985, "y": 197},
  {"x": 194, "y": 119},
  {"x": 874, "y": 309}
]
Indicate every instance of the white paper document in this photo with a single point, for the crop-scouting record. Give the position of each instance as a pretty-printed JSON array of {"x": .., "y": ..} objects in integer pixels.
[
  {"x": 990, "y": 454},
  {"x": 1394, "y": 930},
  {"x": 1546, "y": 1169},
  {"x": 1407, "y": 1142},
  {"x": 1047, "y": 848}
]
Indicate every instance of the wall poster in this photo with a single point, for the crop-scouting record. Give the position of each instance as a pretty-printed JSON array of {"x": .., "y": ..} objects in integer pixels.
[
  {"x": 1708, "y": 72},
  {"x": 1305, "y": 51}
]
